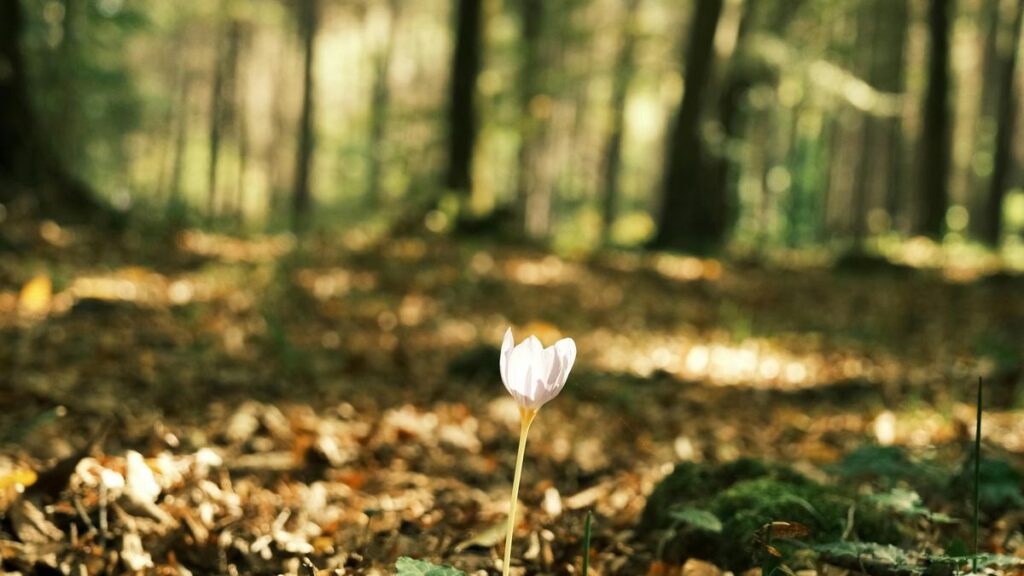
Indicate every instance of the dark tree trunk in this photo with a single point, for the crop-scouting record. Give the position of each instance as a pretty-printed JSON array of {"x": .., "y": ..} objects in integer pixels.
[
  {"x": 623, "y": 76},
  {"x": 894, "y": 26},
  {"x": 462, "y": 112},
  {"x": 936, "y": 137},
  {"x": 691, "y": 217},
  {"x": 301, "y": 197},
  {"x": 1007, "y": 119},
  {"x": 29, "y": 167}
]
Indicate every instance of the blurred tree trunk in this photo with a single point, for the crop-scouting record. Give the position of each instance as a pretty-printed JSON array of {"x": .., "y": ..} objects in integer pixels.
[
  {"x": 736, "y": 82},
  {"x": 692, "y": 217},
  {"x": 936, "y": 131},
  {"x": 70, "y": 95},
  {"x": 26, "y": 157},
  {"x": 380, "y": 104},
  {"x": 988, "y": 103},
  {"x": 462, "y": 108},
  {"x": 622, "y": 77},
  {"x": 531, "y": 14},
  {"x": 301, "y": 197},
  {"x": 216, "y": 118},
  {"x": 1007, "y": 120},
  {"x": 274, "y": 157},
  {"x": 180, "y": 138},
  {"x": 882, "y": 38},
  {"x": 892, "y": 78},
  {"x": 239, "y": 116}
]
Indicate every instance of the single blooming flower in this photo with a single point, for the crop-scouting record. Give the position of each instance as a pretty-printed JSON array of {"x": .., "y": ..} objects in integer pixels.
[{"x": 533, "y": 375}]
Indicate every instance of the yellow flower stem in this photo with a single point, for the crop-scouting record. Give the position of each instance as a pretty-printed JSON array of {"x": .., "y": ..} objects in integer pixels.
[{"x": 526, "y": 416}]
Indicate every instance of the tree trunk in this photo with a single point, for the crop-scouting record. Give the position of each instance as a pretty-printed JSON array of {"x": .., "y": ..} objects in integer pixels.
[
  {"x": 29, "y": 167},
  {"x": 528, "y": 194},
  {"x": 690, "y": 217},
  {"x": 216, "y": 120},
  {"x": 240, "y": 118},
  {"x": 462, "y": 110},
  {"x": 1007, "y": 120},
  {"x": 301, "y": 197},
  {"x": 380, "y": 104},
  {"x": 936, "y": 137},
  {"x": 892, "y": 78},
  {"x": 623, "y": 76},
  {"x": 174, "y": 197}
]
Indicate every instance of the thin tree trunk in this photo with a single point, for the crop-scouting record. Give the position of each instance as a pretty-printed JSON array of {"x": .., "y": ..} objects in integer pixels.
[
  {"x": 533, "y": 117},
  {"x": 241, "y": 118},
  {"x": 180, "y": 139},
  {"x": 380, "y": 104},
  {"x": 1001, "y": 168},
  {"x": 623, "y": 77},
  {"x": 936, "y": 137},
  {"x": 301, "y": 197},
  {"x": 690, "y": 218},
  {"x": 462, "y": 122},
  {"x": 216, "y": 121}
]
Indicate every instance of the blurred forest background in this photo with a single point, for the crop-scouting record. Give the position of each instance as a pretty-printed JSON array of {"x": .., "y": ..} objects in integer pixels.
[
  {"x": 587, "y": 122},
  {"x": 256, "y": 257}
]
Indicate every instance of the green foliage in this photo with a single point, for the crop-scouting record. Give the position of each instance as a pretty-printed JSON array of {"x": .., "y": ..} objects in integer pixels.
[
  {"x": 719, "y": 513},
  {"x": 886, "y": 466},
  {"x": 998, "y": 561},
  {"x": 1000, "y": 485},
  {"x": 906, "y": 503},
  {"x": 697, "y": 519},
  {"x": 689, "y": 482},
  {"x": 881, "y": 558},
  {"x": 714, "y": 512},
  {"x": 84, "y": 83},
  {"x": 409, "y": 567},
  {"x": 870, "y": 553}
]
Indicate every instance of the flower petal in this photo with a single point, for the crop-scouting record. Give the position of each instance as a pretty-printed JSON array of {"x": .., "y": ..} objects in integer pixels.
[
  {"x": 507, "y": 344},
  {"x": 566, "y": 351}
]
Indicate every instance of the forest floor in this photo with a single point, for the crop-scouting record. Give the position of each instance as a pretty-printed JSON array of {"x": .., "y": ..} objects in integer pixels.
[{"x": 209, "y": 404}]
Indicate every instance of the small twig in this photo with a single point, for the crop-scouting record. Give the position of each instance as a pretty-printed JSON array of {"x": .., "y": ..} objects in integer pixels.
[
  {"x": 977, "y": 480},
  {"x": 83, "y": 514},
  {"x": 586, "y": 543}
]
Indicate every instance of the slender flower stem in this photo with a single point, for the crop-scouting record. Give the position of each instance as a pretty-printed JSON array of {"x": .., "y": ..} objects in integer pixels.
[{"x": 525, "y": 419}]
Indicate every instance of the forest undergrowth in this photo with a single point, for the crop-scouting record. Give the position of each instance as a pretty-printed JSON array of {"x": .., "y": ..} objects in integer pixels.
[{"x": 207, "y": 403}]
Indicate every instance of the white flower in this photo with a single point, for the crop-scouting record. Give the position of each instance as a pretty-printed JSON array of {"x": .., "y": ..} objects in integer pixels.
[{"x": 532, "y": 373}]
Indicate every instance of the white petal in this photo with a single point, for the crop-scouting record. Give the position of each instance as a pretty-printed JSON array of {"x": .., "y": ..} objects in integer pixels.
[
  {"x": 519, "y": 369},
  {"x": 507, "y": 344},
  {"x": 534, "y": 380},
  {"x": 552, "y": 368},
  {"x": 566, "y": 350}
]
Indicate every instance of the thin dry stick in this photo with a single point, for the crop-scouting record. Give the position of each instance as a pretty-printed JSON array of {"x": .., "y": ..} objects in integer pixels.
[{"x": 526, "y": 417}]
